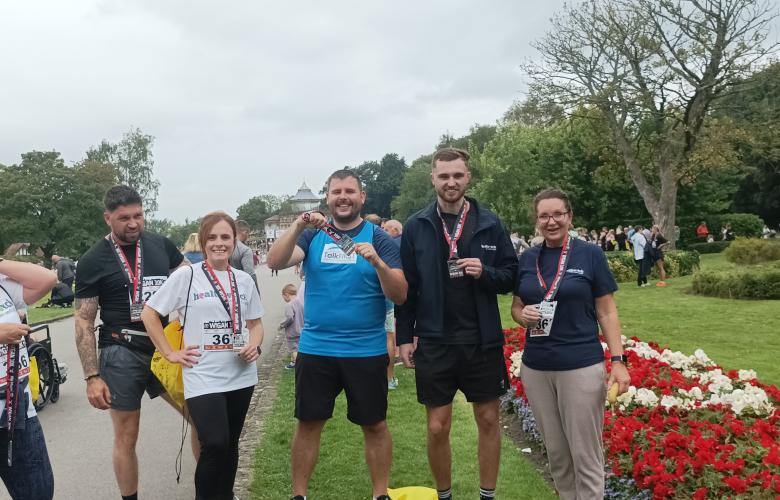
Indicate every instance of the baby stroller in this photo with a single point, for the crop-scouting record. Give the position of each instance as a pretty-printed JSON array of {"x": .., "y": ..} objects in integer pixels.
[{"x": 61, "y": 295}]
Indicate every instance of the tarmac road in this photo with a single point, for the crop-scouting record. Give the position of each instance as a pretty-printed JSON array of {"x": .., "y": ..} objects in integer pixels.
[{"x": 79, "y": 437}]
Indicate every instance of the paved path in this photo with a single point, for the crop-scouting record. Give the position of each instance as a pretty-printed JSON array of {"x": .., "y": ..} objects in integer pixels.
[{"x": 79, "y": 437}]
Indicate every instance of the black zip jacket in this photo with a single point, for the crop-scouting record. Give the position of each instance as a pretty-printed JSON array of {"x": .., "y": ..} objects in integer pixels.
[{"x": 425, "y": 267}]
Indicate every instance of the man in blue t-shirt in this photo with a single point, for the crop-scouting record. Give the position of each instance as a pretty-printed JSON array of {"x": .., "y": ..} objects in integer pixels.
[{"x": 342, "y": 345}]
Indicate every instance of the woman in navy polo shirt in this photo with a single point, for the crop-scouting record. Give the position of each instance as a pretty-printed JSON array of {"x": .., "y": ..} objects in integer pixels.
[{"x": 563, "y": 293}]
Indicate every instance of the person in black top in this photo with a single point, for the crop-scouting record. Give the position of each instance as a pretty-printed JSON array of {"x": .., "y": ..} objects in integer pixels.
[
  {"x": 456, "y": 256},
  {"x": 658, "y": 246},
  {"x": 118, "y": 275}
]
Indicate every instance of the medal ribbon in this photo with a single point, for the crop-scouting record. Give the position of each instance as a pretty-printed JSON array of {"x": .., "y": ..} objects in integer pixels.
[
  {"x": 563, "y": 260},
  {"x": 135, "y": 278},
  {"x": 11, "y": 395},
  {"x": 327, "y": 228},
  {"x": 457, "y": 231},
  {"x": 233, "y": 308}
]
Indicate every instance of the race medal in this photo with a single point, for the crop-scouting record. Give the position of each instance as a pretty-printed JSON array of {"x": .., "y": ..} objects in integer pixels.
[
  {"x": 452, "y": 239},
  {"x": 454, "y": 270},
  {"x": 136, "y": 309},
  {"x": 238, "y": 342},
  {"x": 346, "y": 244},
  {"x": 544, "y": 325},
  {"x": 548, "y": 305}
]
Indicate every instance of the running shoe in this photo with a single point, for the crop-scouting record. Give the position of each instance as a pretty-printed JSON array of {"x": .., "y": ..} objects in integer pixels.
[
  {"x": 290, "y": 365},
  {"x": 392, "y": 384}
]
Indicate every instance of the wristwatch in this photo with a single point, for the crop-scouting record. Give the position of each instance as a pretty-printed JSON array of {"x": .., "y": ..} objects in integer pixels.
[{"x": 622, "y": 358}]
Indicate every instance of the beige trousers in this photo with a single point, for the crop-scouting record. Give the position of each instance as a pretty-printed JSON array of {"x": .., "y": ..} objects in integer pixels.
[{"x": 569, "y": 409}]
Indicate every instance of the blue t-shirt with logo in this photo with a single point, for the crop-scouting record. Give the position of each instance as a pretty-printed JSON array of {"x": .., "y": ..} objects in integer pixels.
[
  {"x": 344, "y": 311},
  {"x": 573, "y": 341}
]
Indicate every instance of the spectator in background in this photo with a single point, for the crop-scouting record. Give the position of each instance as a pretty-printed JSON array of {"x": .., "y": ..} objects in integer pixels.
[
  {"x": 676, "y": 236},
  {"x": 191, "y": 249},
  {"x": 702, "y": 231},
  {"x": 621, "y": 239},
  {"x": 728, "y": 233},
  {"x": 610, "y": 243},
  {"x": 658, "y": 244},
  {"x": 639, "y": 242},
  {"x": 66, "y": 270},
  {"x": 393, "y": 228},
  {"x": 292, "y": 324},
  {"x": 243, "y": 258}
]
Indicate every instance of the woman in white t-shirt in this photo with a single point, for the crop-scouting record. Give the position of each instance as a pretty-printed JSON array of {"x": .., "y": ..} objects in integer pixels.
[
  {"x": 29, "y": 475},
  {"x": 217, "y": 358}
]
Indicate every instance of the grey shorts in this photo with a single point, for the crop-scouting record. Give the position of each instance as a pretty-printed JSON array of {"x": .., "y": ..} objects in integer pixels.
[{"x": 128, "y": 374}]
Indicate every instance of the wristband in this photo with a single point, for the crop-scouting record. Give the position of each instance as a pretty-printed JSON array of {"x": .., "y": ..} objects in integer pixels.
[
  {"x": 622, "y": 358},
  {"x": 86, "y": 379}
]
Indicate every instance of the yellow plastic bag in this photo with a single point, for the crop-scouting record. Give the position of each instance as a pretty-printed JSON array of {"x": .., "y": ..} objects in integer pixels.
[
  {"x": 413, "y": 493},
  {"x": 169, "y": 374},
  {"x": 34, "y": 380}
]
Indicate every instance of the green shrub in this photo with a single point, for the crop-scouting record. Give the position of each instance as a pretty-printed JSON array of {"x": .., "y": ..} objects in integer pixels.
[
  {"x": 714, "y": 247},
  {"x": 746, "y": 251},
  {"x": 749, "y": 225},
  {"x": 676, "y": 263},
  {"x": 754, "y": 282}
]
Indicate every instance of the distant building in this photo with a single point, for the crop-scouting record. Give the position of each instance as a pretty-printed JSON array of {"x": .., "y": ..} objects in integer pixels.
[{"x": 302, "y": 201}]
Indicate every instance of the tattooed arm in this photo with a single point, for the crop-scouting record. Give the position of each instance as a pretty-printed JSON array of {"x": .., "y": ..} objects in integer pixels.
[{"x": 97, "y": 391}]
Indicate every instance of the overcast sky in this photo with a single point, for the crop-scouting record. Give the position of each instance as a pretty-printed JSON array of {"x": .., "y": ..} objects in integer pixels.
[{"x": 246, "y": 98}]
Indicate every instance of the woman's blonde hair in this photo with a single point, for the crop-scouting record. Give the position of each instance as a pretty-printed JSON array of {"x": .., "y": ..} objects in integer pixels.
[
  {"x": 192, "y": 244},
  {"x": 290, "y": 289}
]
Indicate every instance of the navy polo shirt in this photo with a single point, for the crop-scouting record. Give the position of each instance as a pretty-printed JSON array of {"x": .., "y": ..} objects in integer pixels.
[{"x": 573, "y": 341}]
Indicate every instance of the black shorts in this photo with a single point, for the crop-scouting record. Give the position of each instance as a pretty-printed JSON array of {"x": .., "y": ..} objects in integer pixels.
[
  {"x": 128, "y": 373},
  {"x": 320, "y": 379},
  {"x": 442, "y": 369}
]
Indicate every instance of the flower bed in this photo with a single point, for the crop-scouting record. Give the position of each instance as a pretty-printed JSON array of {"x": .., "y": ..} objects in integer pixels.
[{"x": 685, "y": 429}]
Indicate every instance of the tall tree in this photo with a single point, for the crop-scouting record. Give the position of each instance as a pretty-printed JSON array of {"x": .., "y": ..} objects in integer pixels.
[
  {"x": 382, "y": 182},
  {"x": 133, "y": 159},
  {"x": 416, "y": 189},
  {"x": 259, "y": 208},
  {"x": 653, "y": 69},
  {"x": 52, "y": 206}
]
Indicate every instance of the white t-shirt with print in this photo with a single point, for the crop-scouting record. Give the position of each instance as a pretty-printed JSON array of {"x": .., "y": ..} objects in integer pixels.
[
  {"x": 207, "y": 326},
  {"x": 11, "y": 302}
]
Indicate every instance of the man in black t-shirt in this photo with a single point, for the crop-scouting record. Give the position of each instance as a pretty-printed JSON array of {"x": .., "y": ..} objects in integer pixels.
[
  {"x": 118, "y": 275},
  {"x": 456, "y": 256}
]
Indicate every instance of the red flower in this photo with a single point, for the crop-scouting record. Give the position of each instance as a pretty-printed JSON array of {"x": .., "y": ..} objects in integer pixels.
[
  {"x": 773, "y": 457},
  {"x": 736, "y": 484},
  {"x": 700, "y": 494}
]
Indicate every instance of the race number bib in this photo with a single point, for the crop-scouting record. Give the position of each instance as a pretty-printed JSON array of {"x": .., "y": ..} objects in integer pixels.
[
  {"x": 24, "y": 365},
  {"x": 544, "y": 326},
  {"x": 151, "y": 284},
  {"x": 218, "y": 335}
]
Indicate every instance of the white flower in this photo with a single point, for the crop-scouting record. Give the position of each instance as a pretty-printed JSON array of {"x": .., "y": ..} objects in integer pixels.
[{"x": 745, "y": 375}]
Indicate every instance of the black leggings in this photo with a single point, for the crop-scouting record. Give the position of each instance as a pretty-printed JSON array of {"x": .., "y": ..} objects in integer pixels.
[{"x": 219, "y": 419}]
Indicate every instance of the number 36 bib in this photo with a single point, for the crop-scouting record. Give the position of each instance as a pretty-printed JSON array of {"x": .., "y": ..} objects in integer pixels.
[{"x": 547, "y": 311}]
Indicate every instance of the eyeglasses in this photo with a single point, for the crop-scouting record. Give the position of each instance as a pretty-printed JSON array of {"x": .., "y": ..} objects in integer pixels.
[{"x": 557, "y": 217}]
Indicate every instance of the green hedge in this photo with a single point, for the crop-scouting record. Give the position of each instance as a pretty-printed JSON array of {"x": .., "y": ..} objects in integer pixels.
[
  {"x": 676, "y": 263},
  {"x": 714, "y": 247},
  {"x": 753, "y": 282},
  {"x": 746, "y": 251},
  {"x": 748, "y": 225}
]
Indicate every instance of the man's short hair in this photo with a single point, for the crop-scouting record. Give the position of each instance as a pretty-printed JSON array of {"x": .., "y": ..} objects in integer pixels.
[
  {"x": 242, "y": 225},
  {"x": 373, "y": 219},
  {"x": 121, "y": 196},
  {"x": 344, "y": 173},
  {"x": 450, "y": 154}
]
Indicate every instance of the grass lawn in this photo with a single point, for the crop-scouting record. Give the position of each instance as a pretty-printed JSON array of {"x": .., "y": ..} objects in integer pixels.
[
  {"x": 341, "y": 472},
  {"x": 734, "y": 333},
  {"x": 37, "y": 314}
]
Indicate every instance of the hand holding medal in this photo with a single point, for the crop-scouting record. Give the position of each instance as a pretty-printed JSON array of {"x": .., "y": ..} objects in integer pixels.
[{"x": 317, "y": 220}]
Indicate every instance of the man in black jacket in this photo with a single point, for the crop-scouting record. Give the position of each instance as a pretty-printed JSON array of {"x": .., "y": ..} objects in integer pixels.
[{"x": 457, "y": 257}]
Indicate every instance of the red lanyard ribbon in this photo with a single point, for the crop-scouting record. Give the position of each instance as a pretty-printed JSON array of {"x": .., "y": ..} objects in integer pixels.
[
  {"x": 457, "y": 231},
  {"x": 343, "y": 241},
  {"x": 232, "y": 307},
  {"x": 135, "y": 278},
  {"x": 563, "y": 260}
]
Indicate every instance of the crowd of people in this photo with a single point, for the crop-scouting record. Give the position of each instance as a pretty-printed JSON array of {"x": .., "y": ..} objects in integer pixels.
[{"x": 427, "y": 291}]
